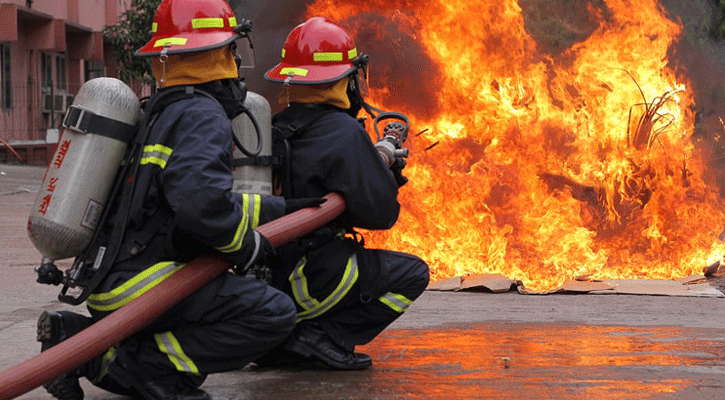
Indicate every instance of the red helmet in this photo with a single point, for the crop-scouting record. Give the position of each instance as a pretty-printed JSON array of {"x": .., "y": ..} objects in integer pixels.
[
  {"x": 190, "y": 25},
  {"x": 316, "y": 51}
]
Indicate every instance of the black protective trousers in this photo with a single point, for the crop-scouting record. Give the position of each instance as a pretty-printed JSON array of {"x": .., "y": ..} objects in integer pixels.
[
  {"x": 223, "y": 326},
  {"x": 355, "y": 320}
]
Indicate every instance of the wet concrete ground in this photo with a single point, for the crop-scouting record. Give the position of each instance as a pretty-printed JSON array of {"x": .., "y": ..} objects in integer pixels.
[{"x": 447, "y": 346}]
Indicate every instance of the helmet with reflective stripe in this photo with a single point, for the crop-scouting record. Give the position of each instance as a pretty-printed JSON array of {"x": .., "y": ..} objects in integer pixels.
[
  {"x": 316, "y": 51},
  {"x": 183, "y": 26}
]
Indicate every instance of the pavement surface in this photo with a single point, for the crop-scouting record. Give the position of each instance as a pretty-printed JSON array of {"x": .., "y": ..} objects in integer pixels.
[{"x": 448, "y": 345}]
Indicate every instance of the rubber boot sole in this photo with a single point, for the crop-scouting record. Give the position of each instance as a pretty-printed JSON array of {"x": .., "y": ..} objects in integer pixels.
[
  {"x": 309, "y": 351},
  {"x": 66, "y": 386}
]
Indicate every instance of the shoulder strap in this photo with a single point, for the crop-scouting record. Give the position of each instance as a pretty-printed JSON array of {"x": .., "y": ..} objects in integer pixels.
[
  {"x": 283, "y": 131},
  {"x": 97, "y": 258},
  {"x": 280, "y": 133}
]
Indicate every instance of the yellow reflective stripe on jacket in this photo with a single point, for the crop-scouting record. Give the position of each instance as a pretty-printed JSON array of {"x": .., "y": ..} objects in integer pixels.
[
  {"x": 156, "y": 154},
  {"x": 397, "y": 302},
  {"x": 132, "y": 288},
  {"x": 314, "y": 308},
  {"x": 255, "y": 205},
  {"x": 248, "y": 203},
  {"x": 169, "y": 345},
  {"x": 106, "y": 361}
]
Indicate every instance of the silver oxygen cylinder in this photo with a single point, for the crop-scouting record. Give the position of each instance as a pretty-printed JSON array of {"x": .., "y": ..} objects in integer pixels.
[
  {"x": 253, "y": 178},
  {"x": 78, "y": 179}
]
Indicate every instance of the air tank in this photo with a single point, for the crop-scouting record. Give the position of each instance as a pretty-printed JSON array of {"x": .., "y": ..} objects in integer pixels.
[
  {"x": 248, "y": 177},
  {"x": 97, "y": 129}
]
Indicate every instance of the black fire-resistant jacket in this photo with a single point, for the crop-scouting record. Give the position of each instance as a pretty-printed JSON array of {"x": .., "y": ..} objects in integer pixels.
[
  {"x": 185, "y": 174},
  {"x": 335, "y": 154}
]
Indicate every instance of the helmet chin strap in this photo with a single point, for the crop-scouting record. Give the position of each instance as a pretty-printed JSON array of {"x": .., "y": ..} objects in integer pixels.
[
  {"x": 285, "y": 87},
  {"x": 163, "y": 57},
  {"x": 357, "y": 101}
]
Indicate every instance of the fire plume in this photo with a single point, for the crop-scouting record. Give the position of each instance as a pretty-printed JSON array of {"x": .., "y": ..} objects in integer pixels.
[{"x": 542, "y": 162}]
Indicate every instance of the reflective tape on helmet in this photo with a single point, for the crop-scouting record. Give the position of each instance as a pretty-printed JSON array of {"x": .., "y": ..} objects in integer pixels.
[
  {"x": 199, "y": 23},
  {"x": 170, "y": 42},
  {"x": 154, "y": 27},
  {"x": 332, "y": 56},
  {"x": 327, "y": 56},
  {"x": 293, "y": 71}
]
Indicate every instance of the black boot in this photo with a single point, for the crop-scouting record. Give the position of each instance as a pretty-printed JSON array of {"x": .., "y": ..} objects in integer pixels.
[
  {"x": 156, "y": 385},
  {"x": 281, "y": 358},
  {"x": 310, "y": 340},
  {"x": 53, "y": 328}
]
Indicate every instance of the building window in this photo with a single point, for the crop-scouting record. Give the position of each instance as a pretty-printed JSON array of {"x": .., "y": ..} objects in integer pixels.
[
  {"x": 46, "y": 72},
  {"x": 94, "y": 69},
  {"x": 6, "y": 83},
  {"x": 61, "y": 80}
]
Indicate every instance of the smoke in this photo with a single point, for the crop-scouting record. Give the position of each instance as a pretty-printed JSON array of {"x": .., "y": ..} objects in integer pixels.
[
  {"x": 397, "y": 61},
  {"x": 700, "y": 56},
  {"x": 400, "y": 64},
  {"x": 557, "y": 25},
  {"x": 271, "y": 28}
]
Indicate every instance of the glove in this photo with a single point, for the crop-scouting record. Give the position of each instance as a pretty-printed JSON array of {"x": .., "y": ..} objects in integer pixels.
[
  {"x": 397, "y": 169},
  {"x": 292, "y": 205},
  {"x": 264, "y": 255}
]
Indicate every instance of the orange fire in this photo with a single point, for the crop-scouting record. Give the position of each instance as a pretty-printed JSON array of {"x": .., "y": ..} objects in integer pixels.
[{"x": 542, "y": 166}]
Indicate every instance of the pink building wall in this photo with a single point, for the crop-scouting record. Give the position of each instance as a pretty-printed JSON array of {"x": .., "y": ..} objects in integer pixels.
[{"x": 48, "y": 48}]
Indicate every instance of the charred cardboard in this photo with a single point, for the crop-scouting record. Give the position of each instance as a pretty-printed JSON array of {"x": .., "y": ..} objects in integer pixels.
[
  {"x": 663, "y": 287},
  {"x": 495, "y": 283},
  {"x": 691, "y": 286}
]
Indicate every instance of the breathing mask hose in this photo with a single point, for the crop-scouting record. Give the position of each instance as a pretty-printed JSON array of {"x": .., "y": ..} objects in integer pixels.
[
  {"x": 129, "y": 319},
  {"x": 239, "y": 144}
]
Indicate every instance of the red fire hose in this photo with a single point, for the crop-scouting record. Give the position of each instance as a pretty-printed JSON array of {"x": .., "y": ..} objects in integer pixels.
[{"x": 129, "y": 319}]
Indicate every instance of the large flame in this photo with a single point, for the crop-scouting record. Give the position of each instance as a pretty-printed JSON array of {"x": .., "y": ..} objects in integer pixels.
[{"x": 542, "y": 166}]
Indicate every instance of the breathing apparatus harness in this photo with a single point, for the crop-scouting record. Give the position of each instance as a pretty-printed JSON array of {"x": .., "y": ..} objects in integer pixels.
[
  {"x": 389, "y": 144},
  {"x": 96, "y": 260}
]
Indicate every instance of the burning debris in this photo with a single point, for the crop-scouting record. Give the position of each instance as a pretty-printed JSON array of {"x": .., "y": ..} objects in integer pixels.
[
  {"x": 631, "y": 191},
  {"x": 548, "y": 163}
]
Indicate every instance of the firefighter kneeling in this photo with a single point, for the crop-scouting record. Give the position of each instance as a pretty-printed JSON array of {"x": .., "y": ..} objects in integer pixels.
[
  {"x": 182, "y": 206},
  {"x": 345, "y": 294}
]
